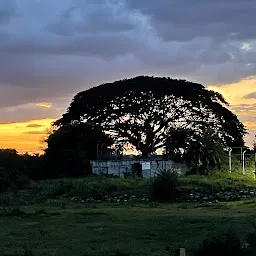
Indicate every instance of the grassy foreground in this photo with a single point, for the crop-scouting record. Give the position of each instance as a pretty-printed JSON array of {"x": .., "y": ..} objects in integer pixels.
[
  {"x": 101, "y": 186},
  {"x": 64, "y": 228}
]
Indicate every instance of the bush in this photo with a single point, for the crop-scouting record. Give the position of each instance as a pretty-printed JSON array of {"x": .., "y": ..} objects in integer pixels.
[
  {"x": 164, "y": 186},
  {"x": 11, "y": 211},
  {"x": 12, "y": 180},
  {"x": 228, "y": 244}
]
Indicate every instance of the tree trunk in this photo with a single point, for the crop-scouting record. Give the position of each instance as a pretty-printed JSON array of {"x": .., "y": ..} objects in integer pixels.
[{"x": 145, "y": 150}]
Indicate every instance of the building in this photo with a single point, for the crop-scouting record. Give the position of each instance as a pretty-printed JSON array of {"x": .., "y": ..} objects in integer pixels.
[{"x": 150, "y": 167}]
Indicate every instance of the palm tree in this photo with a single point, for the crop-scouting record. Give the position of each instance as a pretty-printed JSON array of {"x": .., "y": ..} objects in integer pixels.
[{"x": 205, "y": 152}]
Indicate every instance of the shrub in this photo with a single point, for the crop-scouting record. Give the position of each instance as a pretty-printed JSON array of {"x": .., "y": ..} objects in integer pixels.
[
  {"x": 28, "y": 252},
  {"x": 12, "y": 180},
  {"x": 11, "y": 212},
  {"x": 164, "y": 186},
  {"x": 224, "y": 244}
]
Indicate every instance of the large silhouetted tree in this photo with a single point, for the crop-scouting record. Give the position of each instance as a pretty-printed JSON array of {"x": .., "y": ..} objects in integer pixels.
[{"x": 146, "y": 110}]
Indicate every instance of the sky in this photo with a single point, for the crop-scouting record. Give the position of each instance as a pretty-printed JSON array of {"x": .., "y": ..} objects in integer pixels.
[{"x": 52, "y": 49}]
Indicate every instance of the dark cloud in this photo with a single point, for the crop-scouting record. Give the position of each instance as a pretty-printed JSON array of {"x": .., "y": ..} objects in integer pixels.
[
  {"x": 102, "y": 46},
  {"x": 92, "y": 19},
  {"x": 251, "y": 95},
  {"x": 187, "y": 19},
  {"x": 34, "y": 125},
  {"x": 79, "y": 44},
  {"x": 23, "y": 113},
  {"x": 7, "y": 11}
]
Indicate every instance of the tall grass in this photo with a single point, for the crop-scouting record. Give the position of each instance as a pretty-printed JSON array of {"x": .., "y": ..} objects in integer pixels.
[
  {"x": 218, "y": 181},
  {"x": 97, "y": 187}
]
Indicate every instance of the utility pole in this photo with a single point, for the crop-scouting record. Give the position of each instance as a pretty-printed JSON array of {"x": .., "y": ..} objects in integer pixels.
[
  {"x": 230, "y": 160},
  {"x": 244, "y": 162}
]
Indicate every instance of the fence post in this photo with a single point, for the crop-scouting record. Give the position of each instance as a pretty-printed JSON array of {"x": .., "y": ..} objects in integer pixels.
[
  {"x": 180, "y": 252},
  {"x": 244, "y": 162}
]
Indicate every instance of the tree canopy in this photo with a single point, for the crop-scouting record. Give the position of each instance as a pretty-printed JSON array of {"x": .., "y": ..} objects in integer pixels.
[
  {"x": 145, "y": 111},
  {"x": 71, "y": 146}
]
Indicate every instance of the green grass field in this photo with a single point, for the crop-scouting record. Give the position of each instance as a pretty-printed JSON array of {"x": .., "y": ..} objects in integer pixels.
[
  {"x": 50, "y": 223},
  {"x": 64, "y": 228}
]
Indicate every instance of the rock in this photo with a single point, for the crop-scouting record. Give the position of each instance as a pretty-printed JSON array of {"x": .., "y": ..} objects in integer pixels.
[
  {"x": 205, "y": 198},
  {"x": 82, "y": 201}
]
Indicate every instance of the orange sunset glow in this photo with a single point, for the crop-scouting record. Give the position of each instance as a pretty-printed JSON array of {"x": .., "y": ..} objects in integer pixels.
[
  {"x": 28, "y": 136},
  {"x": 25, "y": 136}
]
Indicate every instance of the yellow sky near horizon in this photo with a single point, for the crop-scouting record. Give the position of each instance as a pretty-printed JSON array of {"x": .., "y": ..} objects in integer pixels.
[
  {"x": 25, "y": 136},
  {"x": 245, "y": 109},
  {"x": 28, "y": 136}
]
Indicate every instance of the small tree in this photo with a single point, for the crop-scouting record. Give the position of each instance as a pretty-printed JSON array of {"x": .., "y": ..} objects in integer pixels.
[
  {"x": 71, "y": 147},
  {"x": 205, "y": 152}
]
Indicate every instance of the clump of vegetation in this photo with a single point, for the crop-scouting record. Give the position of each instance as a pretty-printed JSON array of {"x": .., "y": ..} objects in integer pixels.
[
  {"x": 12, "y": 180},
  {"x": 217, "y": 181},
  {"x": 11, "y": 211},
  {"x": 97, "y": 187},
  {"x": 28, "y": 252},
  {"x": 228, "y": 244},
  {"x": 164, "y": 186}
]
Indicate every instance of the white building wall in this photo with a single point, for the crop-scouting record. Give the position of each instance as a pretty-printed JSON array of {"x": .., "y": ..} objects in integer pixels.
[{"x": 119, "y": 167}]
